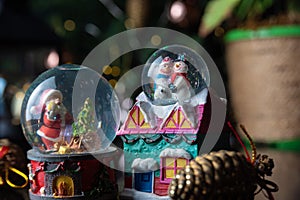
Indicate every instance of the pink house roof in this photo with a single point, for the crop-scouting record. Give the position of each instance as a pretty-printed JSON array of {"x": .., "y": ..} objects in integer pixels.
[{"x": 175, "y": 122}]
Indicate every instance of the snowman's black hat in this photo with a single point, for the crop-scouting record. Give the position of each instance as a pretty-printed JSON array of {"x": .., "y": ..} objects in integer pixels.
[{"x": 182, "y": 57}]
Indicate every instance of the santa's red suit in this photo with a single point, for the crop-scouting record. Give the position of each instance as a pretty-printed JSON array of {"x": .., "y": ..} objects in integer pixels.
[{"x": 50, "y": 130}]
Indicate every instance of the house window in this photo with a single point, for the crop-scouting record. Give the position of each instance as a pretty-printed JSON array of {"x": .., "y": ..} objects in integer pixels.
[{"x": 170, "y": 166}]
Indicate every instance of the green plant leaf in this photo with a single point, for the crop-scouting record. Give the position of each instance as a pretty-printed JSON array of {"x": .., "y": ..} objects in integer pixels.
[
  {"x": 259, "y": 7},
  {"x": 215, "y": 13},
  {"x": 243, "y": 9}
]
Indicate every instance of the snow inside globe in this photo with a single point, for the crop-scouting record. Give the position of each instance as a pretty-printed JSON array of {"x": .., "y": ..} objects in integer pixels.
[
  {"x": 174, "y": 74},
  {"x": 70, "y": 109}
]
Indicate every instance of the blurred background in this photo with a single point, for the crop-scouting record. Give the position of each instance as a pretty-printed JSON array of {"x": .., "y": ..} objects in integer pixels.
[{"x": 36, "y": 35}]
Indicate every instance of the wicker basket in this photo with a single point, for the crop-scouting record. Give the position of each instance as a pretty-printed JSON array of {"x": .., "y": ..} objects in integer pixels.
[{"x": 264, "y": 81}]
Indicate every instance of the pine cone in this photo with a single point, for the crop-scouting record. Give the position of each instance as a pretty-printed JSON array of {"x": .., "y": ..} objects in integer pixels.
[{"x": 217, "y": 175}]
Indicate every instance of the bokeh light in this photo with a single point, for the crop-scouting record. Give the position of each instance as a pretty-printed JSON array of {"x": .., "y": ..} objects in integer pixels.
[
  {"x": 115, "y": 71},
  {"x": 52, "y": 59},
  {"x": 156, "y": 40},
  {"x": 177, "y": 11},
  {"x": 69, "y": 25}
]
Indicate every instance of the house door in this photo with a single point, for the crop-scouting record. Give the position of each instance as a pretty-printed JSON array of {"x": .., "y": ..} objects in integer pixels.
[
  {"x": 143, "y": 181},
  {"x": 63, "y": 186}
]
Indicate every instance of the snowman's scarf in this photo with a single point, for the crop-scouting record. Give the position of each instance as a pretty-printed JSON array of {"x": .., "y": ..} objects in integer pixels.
[{"x": 184, "y": 75}]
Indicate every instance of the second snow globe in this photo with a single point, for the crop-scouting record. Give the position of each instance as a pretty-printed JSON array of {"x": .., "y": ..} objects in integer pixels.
[
  {"x": 70, "y": 115},
  {"x": 70, "y": 109}
]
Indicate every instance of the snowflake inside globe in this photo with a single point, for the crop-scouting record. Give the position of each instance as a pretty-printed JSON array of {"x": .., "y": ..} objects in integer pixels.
[
  {"x": 174, "y": 74},
  {"x": 70, "y": 109}
]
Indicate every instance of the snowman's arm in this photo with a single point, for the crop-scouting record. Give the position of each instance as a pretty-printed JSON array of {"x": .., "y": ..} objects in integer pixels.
[{"x": 178, "y": 81}]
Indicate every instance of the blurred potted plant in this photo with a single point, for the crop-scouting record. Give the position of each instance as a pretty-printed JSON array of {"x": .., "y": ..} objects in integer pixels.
[
  {"x": 262, "y": 54},
  {"x": 248, "y": 14},
  {"x": 262, "y": 51}
]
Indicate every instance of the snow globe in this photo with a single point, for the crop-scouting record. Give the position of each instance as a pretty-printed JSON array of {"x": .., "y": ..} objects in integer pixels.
[
  {"x": 174, "y": 74},
  {"x": 164, "y": 129},
  {"x": 70, "y": 115}
]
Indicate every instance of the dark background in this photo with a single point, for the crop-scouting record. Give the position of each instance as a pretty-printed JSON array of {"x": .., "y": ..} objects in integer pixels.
[{"x": 31, "y": 29}]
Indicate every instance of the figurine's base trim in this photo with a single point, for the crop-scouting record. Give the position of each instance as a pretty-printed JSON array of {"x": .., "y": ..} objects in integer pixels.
[
  {"x": 106, "y": 196},
  {"x": 132, "y": 194},
  {"x": 44, "y": 197}
]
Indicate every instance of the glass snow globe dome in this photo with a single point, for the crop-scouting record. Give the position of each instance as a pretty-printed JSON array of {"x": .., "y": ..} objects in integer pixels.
[
  {"x": 70, "y": 109},
  {"x": 174, "y": 74}
]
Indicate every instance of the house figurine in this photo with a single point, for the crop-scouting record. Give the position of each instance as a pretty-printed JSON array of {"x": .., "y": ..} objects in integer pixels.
[
  {"x": 154, "y": 153},
  {"x": 168, "y": 122},
  {"x": 163, "y": 130}
]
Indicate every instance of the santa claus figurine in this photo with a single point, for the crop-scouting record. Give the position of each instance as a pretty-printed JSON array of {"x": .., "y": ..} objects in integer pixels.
[{"x": 54, "y": 117}]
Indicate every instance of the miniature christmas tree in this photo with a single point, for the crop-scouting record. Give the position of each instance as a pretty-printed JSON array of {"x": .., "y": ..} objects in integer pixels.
[
  {"x": 85, "y": 124},
  {"x": 85, "y": 120}
]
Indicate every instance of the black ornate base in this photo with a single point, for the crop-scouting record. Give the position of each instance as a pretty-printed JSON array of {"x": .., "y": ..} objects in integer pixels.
[
  {"x": 45, "y": 197},
  {"x": 72, "y": 176},
  {"x": 111, "y": 196}
]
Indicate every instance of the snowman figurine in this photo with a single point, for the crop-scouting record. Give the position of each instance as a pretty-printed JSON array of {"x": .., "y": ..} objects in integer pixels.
[
  {"x": 180, "y": 85},
  {"x": 161, "y": 74},
  {"x": 182, "y": 89}
]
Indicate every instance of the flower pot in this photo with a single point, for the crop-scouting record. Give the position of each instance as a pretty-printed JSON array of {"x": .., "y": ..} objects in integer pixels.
[{"x": 264, "y": 80}]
